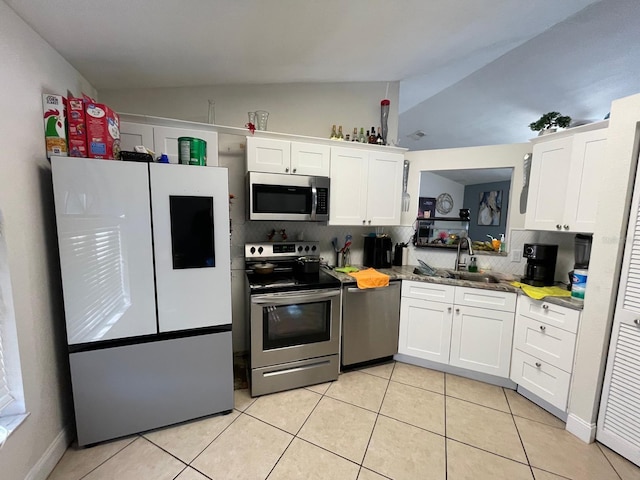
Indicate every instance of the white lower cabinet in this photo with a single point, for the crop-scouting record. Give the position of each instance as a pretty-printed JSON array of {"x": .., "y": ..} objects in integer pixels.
[
  {"x": 481, "y": 340},
  {"x": 543, "y": 349},
  {"x": 425, "y": 329},
  {"x": 433, "y": 327}
]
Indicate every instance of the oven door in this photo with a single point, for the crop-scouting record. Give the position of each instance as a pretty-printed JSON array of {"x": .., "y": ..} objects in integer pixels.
[{"x": 292, "y": 326}]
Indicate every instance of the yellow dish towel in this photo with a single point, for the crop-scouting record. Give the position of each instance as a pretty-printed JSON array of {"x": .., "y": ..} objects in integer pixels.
[
  {"x": 541, "y": 292},
  {"x": 370, "y": 278},
  {"x": 347, "y": 269}
]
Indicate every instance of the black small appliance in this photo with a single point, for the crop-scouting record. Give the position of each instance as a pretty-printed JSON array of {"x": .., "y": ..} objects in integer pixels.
[
  {"x": 541, "y": 264},
  {"x": 377, "y": 252}
]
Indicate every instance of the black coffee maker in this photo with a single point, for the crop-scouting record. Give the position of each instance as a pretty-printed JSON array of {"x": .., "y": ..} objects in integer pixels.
[
  {"x": 377, "y": 252},
  {"x": 541, "y": 264}
]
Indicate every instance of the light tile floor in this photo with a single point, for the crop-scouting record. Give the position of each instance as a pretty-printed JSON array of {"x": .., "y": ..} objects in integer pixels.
[{"x": 393, "y": 421}]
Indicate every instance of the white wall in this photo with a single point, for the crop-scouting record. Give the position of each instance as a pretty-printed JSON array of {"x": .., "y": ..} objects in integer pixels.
[
  {"x": 432, "y": 185},
  {"x": 29, "y": 68},
  {"x": 301, "y": 109}
]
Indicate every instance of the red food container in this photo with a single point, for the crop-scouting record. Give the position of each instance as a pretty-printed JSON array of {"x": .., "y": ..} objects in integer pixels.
[{"x": 103, "y": 131}]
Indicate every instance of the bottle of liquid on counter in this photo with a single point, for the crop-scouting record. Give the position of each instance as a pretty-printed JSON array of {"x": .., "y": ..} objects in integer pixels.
[
  {"x": 340, "y": 135},
  {"x": 473, "y": 266},
  {"x": 354, "y": 137},
  {"x": 334, "y": 134},
  {"x": 361, "y": 137},
  {"x": 379, "y": 139}
]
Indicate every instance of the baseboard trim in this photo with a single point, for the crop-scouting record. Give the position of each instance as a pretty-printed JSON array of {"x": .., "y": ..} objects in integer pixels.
[
  {"x": 585, "y": 431},
  {"x": 50, "y": 458}
]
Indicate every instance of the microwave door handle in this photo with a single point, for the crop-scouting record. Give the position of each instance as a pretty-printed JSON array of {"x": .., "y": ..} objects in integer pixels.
[
  {"x": 314, "y": 199},
  {"x": 291, "y": 299}
]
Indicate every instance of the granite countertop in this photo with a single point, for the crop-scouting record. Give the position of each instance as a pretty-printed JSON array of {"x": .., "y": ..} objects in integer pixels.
[{"x": 406, "y": 273}]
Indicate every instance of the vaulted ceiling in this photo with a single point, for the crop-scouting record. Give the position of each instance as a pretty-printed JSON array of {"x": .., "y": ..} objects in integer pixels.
[{"x": 471, "y": 72}]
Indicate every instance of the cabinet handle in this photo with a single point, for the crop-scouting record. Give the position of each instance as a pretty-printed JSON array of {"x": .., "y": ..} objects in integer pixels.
[
  {"x": 545, "y": 307},
  {"x": 286, "y": 170},
  {"x": 566, "y": 227},
  {"x": 538, "y": 364},
  {"x": 558, "y": 227},
  {"x": 295, "y": 170},
  {"x": 457, "y": 310},
  {"x": 369, "y": 222},
  {"x": 543, "y": 328},
  {"x": 637, "y": 321},
  {"x": 364, "y": 222},
  {"x": 449, "y": 309}
]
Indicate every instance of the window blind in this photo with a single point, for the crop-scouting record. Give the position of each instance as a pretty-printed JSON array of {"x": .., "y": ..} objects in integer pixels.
[{"x": 5, "y": 393}]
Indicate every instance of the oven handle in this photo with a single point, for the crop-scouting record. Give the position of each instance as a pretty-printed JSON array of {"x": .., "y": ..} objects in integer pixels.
[{"x": 288, "y": 299}]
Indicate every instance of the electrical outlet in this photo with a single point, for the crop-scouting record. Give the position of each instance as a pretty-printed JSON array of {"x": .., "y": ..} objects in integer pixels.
[{"x": 516, "y": 256}]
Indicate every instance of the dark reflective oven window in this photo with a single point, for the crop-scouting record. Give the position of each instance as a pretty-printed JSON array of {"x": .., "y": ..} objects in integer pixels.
[
  {"x": 299, "y": 324},
  {"x": 192, "y": 241},
  {"x": 279, "y": 199}
]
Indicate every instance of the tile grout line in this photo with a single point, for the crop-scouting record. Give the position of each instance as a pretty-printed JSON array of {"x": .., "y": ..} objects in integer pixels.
[
  {"x": 376, "y": 420},
  {"x": 607, "y": 458},
  {"x": 105, "y": 461},
  {"x": 446, "y": 453},
  {"x": 209, "y": 444},
  {"x": 526, "y": 455}
]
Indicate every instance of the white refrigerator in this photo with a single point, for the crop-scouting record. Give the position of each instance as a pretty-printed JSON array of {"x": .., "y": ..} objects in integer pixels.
[{"x": 145, "y": 262}]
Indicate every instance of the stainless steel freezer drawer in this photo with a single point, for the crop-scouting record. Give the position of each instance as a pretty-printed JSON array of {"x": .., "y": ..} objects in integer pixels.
[
  {"x": 129, "y": 389},
  {"x": 370, "y": 323}
]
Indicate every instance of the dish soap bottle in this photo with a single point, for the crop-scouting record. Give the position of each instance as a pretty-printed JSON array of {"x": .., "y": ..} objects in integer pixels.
[{"x": 473, "y": 266}]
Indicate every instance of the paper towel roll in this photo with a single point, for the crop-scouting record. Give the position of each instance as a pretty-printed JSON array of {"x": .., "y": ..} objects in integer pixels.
[{"x": 405, "y": 255}]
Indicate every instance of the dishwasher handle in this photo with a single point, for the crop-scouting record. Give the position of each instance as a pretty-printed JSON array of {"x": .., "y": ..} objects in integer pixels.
[{"x": 364, "y": 290}]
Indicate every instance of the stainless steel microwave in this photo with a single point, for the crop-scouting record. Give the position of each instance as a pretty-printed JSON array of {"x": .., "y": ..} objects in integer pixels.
[{"x": 274, "y": 196}]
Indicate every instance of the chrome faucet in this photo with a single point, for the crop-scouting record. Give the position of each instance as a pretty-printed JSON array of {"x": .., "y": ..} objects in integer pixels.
[{"x": 461, "y": 265}]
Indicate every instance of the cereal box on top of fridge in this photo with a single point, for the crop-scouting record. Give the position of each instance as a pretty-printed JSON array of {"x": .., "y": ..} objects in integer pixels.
[
  {"x": 55, "y": 128},
  {"x": 103, "y": 131},
  {"x": 77, "y": 127}
]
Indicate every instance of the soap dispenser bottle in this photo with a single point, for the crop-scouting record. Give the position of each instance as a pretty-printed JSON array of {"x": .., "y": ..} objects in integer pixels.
[{"x": 473, "y": 266}]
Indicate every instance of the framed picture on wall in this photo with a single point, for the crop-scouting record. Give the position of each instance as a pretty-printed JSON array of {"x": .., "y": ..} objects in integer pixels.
[
  {"x": 426, "y": 207},
  {"x": 490, "y": 208}
]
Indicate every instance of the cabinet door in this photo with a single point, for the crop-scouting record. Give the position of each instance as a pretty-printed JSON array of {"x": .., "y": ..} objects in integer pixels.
[
  {"x": 104, "y": 236},
  {"x": 165, "y": 140},
  {"x": 481, "y": 340},
  {"x": 190, "y": 209},
  {"x": 310, "y": 159},
  {"x": 348, "y": 196},
  {"x": 384, "y": 192},
  {"x": 425, "y": 329},
  {"x": 583, "y": 189},
  {"x": 134, "y": 134},
  {"x": 267, "y": 155},
  {"x": 548, "y": 184}
]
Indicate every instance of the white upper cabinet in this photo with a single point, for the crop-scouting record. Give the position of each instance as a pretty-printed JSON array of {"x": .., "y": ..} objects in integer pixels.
[
  {"x": 282, "y": 156},
  {"x": 366, "y": 187},
  {"x": 165, "y": 140},
  {"x": 564, "y": 185}
]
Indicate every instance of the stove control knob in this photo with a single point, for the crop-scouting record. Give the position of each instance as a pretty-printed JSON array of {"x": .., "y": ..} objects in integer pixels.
[
  {"x": 306, "y": 249},
  {"x": 313, "y": 249},
  {"x": 528, "y": 250},
  {"x": 300, "y": 248},
  {"x": 253, "y": 250},
  {"x": 260, "y": 250}
]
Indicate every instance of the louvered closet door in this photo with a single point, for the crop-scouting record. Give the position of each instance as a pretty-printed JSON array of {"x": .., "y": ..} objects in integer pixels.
[{"x": 619, "y": 418}]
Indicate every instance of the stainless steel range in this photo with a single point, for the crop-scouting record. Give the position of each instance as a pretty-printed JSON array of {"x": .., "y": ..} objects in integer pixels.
[{"x": 294, "y": 317}]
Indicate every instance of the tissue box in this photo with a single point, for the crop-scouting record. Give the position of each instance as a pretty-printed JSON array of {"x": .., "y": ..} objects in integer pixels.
[{"x": 103, "y": 131}]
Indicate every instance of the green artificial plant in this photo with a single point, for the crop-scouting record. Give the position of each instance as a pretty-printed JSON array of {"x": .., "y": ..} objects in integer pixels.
[{"x": 550, "y": 120}]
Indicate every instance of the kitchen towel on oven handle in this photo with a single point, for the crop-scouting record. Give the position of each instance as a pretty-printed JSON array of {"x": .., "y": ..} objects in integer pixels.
[{"x": 370, "y": 278}]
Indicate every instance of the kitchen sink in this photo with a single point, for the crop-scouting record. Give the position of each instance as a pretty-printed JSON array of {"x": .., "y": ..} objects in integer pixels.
[{"x": 475, "y": 277}]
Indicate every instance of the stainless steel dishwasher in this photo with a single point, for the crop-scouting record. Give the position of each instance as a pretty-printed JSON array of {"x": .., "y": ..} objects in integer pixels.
[{"x": 370, "y": 322}]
